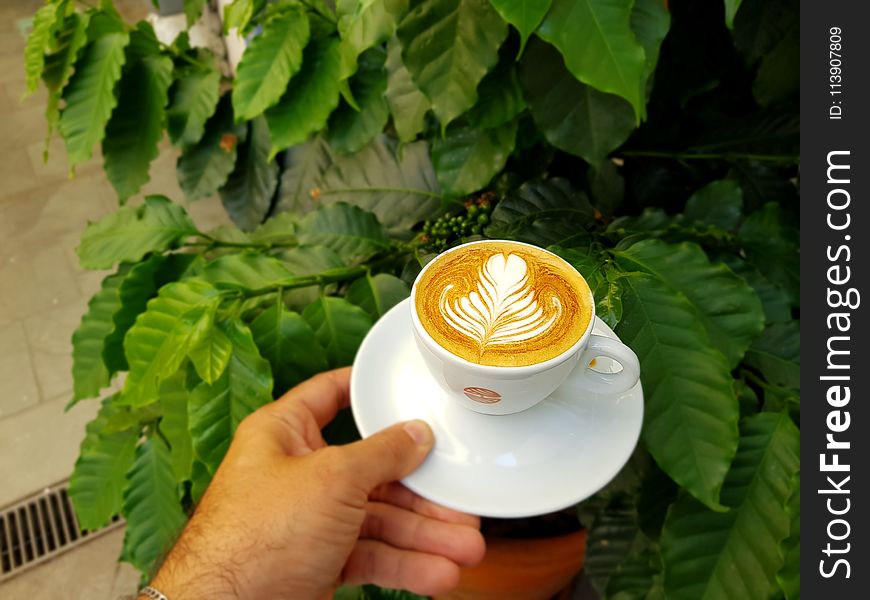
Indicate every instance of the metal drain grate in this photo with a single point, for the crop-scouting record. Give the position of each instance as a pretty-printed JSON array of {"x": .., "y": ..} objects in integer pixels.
[{"x": 40, "y": 527}]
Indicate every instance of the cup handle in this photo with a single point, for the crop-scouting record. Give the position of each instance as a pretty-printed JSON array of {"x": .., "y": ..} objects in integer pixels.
[{"x": 611, "y": 383}]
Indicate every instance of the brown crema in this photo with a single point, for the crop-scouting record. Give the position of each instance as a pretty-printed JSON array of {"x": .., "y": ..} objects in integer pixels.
[{"x": 503, "y": 304}]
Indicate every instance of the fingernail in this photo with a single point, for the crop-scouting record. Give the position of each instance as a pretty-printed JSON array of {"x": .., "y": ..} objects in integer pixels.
[{"x": 418, "y": 431}]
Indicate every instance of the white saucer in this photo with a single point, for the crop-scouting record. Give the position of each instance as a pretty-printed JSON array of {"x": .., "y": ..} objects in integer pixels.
[{"x": 541, "y": 460}]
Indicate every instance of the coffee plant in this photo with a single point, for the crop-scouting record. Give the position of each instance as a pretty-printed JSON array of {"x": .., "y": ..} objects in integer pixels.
[{"x": 652, "y": 144}]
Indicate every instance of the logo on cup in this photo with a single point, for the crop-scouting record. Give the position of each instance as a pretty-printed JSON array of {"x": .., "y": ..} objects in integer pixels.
[{"x": 482, "y": 395}]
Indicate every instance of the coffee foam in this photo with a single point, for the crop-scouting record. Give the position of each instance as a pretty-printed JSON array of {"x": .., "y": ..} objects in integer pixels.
[{"x": 503, "y": 304}]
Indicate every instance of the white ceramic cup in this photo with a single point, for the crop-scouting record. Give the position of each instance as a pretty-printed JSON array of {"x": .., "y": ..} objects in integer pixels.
[{"x": 496, "y": 390}]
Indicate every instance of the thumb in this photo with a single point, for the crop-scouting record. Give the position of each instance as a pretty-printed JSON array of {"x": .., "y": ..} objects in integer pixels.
[{"x": 389, "y": 455}]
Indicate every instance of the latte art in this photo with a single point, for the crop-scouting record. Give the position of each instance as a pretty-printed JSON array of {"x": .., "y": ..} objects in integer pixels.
[
  {"x": 504, "y": 309},
  {"x": 502, "y": 303}
]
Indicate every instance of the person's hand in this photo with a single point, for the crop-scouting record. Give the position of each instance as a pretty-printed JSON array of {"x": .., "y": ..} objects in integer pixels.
[{"x": 288, "y": 517}]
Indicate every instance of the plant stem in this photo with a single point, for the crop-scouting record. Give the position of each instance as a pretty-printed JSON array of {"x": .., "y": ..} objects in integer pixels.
[{"x": 710, "y": 156}]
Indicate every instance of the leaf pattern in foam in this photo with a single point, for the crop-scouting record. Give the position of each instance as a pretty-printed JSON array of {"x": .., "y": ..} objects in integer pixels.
[{"x": 504, "y": 309}]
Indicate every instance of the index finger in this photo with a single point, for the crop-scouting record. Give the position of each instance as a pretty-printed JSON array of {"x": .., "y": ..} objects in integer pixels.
[{"x": 323, "y": 396}]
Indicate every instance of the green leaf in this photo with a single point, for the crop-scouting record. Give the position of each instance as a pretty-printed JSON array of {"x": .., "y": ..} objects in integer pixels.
[
  {"x": 467, "y": 158},
  {"x": 730, "y": 310},
  {"x": 45, "y": 21},
  {"x": 210, "y": 353},
  {"x": 215, "y": 410},
  {"x": 353, "y": 233},
  {"x": 247, "y": 194},
  {"x": 90, "y": 374},
  {"x": 599, "y": 47},
  {"x": 247, "y": 271},
  {"x": 90, "y": 94},
  {"x": 310, "y": 98},
  {"x": 448, "y": 46},
  {"x": 736, "y": 554},
  {"x": 174, "y": 424},
  {"x": 130, "y": 233},
  {"x": 777, "y": 354},
  {"x": 789, "y": 577},
  {"x": 774, "y": 300},
  {"x": 339, "y": 326},
  {"x": 97, "y": 482},
  {"x": 770, "y": 239},
  {"x": 761, "y": 24},
  {"x": 500, "y": 98},
  {"x": 193, "y": 99},
  {"x": 193, "y": 10},
  {"x": 778, "y": 77},
  {"x": 377, "y": 294},
  {"x": 157, "y": 344},
  {"x": 719, "y": 203},
  {"x": 287, "y": 341},
  {"x": 399, "y": 187},
  {"x": 139, "y": 285},
  {"x": 573, "y": 116},
  {"x": 136, "y": 125},
  {"x": 603, "y": 281},
  {"x": 408, "y": 105},
  {"x": 611, "y": 538},
  {"x": 205, "y": 167},
  {"x": 309, "y": 260},
  {"x": 269, "y": 61},
  {"x": 731, "y": 7},
  {"x": 238, "y": 14},
  {"x": 544, "y": 212},
  {"x": 350, "y": 129},
  {"x": 650, "y": 22},
  {"x": 152, "y": 507},
  {"x": 762, "y": 183},
  {"x": 199, "y": 480},
  {"x": 638, "y": 577},
  {"x": 364, "y": 24},
  {"x": 690, "y": 420},
  {"x": 525, "y": 15}
]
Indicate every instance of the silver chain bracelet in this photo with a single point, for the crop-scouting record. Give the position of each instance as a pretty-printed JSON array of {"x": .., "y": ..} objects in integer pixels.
[{"x": 152, "y": 593}]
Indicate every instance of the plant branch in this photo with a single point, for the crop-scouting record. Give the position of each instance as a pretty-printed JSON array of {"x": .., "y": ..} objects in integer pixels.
[{"x": 710, "y": 156}]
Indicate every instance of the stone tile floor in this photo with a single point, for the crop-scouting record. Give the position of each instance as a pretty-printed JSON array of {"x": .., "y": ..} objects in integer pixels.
[{"x": 43, "y": 293}]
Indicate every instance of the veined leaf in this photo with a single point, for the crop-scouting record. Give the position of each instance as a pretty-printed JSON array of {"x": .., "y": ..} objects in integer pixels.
[
  {"x": 194, "y": 98},
  {"x": 199, "y": 480},
  {"x": 238, "y": 14},
  {"x": 97, "y": 483},
  {"x": 248, "y": 271},
  {"x": 309, "y": 260},
  {"x": 525, "y": 15},
  {"x": 376, "y": 294},
  {"x": 38, "y": 42},
  {"x": 400, "y": 188},
  {"x": 310, "y": 98},
  {"x": 599, "y": 47},
  {"x": 604, "y": 281},
  {"x": 500, "y": 98},
  {"x": 136, "y": 125},
  {"x": 771, "y": 243},
  {"x": 205, "y": 167},
  {"x": 408, "y": 105},
  {"x": 467, "y": 158},
  {"x": 210, "y": 352},
  {"x": 731, "y": 311},
  {"x": 139, "y": 285},
  {"x": 719, "y": 203},
  {"x": 59, "y": 66},
  {"x": 152, "y": 506},
  {"x": 247, "y": 194},
  {"x": 193, "y": 10},
  {"x": 350, "y": 129},
  {"x": 215, "y": 410},
  {"x": 339, "y": 326},
  {"x": 159, "y": 341},
  {"x": 287, "y": 341},
  {"x": 174, "y": 425},
  {"x": 735, "y": 554},
  {"x": 573, "y": 116},
  {"x": 130, "y": 233},
  {"x": 650, "y": 22},
  {"x": 774, "y": 300},
  {"x": 789, "y": 577},
  {"x": 690, "y": 420},
  {"x": 353, "y": 233},
  {"x": 731, "y": 7},
  {"x": 448, "y": 46},
  {"x": 280, "y": 229},
  {"x": 90, "y": 374},
  {"x": 90, "y": 94},
  {"x": 363, "y": 24},
  {"x": 545, "y": 212},
  {"x": 777, "y": 354},
  {"x": 269, "y": 61},
  {"x": 612, "y": 536}
]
